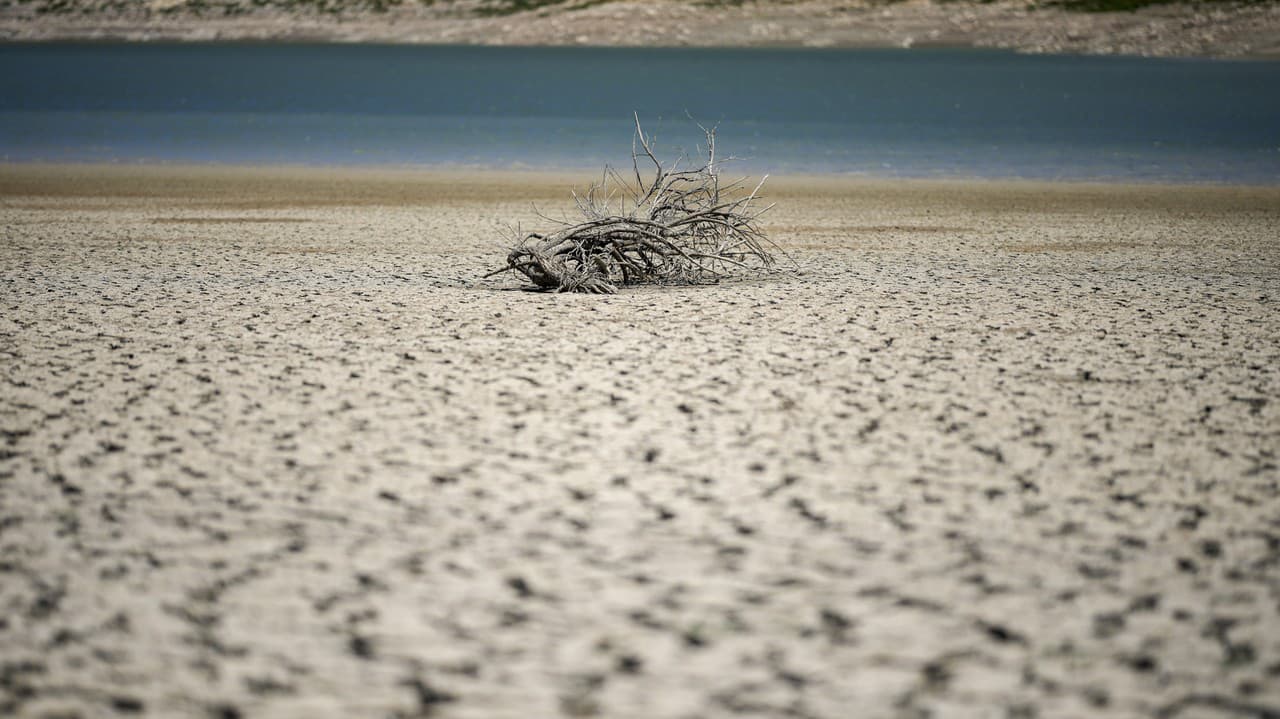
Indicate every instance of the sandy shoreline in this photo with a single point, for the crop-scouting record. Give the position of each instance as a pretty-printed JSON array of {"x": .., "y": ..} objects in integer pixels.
[
  {"x": 268, "y": 448},
  {"x": 1169, "y": 30}
]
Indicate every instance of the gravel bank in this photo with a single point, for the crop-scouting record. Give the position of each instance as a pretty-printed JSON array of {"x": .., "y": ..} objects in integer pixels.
[{"x": 1178, "y": 29}]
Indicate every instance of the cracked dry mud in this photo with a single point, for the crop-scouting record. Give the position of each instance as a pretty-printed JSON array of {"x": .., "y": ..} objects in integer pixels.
[{"x": 266, "y": 450}]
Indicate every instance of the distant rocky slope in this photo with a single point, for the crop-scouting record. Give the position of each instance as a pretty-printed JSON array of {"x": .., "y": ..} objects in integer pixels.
[{"x": 1138, "y": 27}]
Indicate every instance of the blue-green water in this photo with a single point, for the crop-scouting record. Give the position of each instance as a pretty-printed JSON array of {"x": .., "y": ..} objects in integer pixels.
[{"x": 876, "y": 112}]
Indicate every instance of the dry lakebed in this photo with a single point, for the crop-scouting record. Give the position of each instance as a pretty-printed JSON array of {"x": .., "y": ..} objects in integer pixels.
[{"x": 270, "y": 447}]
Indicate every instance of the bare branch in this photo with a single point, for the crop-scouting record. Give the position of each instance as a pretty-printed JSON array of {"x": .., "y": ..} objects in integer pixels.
[{"x": 681, "y": 227}]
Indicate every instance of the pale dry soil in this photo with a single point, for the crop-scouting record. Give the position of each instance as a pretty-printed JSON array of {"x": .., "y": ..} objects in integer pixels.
[{"x": 268, "y": 449}]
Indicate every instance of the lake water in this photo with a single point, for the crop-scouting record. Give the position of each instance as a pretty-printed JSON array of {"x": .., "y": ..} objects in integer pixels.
[{"x": 911, "y": 113}]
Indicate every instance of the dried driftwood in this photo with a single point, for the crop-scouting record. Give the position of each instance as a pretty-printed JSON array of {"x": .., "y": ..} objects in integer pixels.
[{"x": 680, "y": 227}]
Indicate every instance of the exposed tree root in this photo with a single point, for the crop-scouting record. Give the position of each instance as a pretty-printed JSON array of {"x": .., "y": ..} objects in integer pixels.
[{"x": 680, "y": 227}]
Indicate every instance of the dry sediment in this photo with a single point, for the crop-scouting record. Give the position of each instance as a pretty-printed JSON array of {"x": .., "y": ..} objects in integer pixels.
[
  {"x": 266, "y": 450},
  {"x": 1246, "y": 29}
]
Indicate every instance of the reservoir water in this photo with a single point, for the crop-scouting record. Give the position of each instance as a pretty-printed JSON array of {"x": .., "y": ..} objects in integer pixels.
[{"x": 898, "y": 113}]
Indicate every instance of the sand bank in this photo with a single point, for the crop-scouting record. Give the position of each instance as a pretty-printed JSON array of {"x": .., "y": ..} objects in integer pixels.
[{"x": 268, "y": 449}]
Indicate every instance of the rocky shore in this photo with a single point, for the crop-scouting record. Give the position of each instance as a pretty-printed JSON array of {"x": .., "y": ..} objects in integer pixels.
[{"x": 1218, "y": 29}]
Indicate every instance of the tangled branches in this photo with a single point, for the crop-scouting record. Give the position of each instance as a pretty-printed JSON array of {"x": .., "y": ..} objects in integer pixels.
[{"x": 680, "y": 227}]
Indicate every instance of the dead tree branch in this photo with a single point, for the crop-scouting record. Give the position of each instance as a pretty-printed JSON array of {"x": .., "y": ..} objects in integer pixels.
[{"x": 679, "y": 227}]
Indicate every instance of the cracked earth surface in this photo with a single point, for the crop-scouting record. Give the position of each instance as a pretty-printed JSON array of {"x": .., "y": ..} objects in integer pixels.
[{"x": 267, "y": 448}]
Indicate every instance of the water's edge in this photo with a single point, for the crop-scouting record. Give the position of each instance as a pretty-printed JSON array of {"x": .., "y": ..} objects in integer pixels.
[{"x": 935, "y": 113}]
